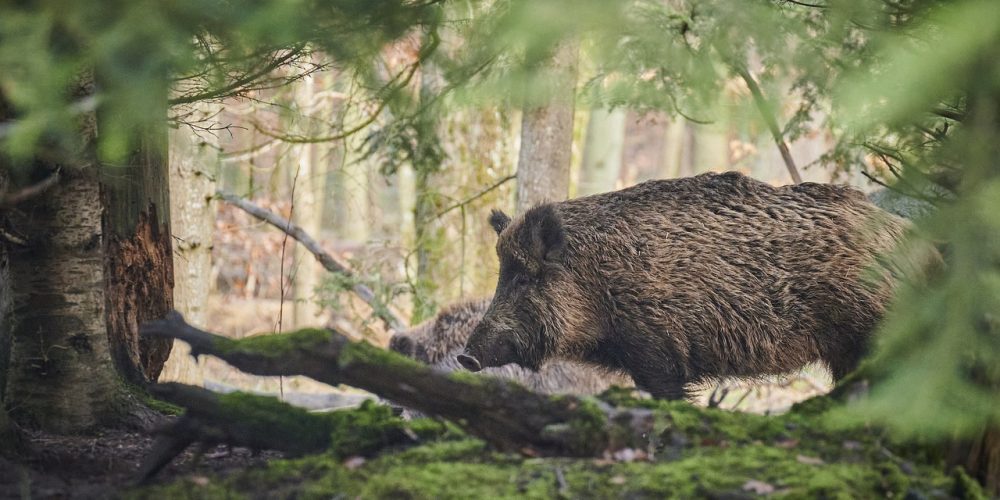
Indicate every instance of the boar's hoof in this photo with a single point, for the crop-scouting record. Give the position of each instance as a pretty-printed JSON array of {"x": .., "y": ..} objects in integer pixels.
[{"x": 470, "y": 363}]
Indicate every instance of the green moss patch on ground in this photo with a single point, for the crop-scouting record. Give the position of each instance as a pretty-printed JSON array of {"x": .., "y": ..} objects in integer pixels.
[{"x": 698, "y": 453}]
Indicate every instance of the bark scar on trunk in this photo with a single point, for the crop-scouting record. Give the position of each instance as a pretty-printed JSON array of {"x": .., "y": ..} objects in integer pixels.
[{"x": 138, "y": 271}]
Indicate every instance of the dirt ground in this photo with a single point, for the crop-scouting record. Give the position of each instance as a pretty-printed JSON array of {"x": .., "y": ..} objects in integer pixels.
[{"x": 102, "y": 466}]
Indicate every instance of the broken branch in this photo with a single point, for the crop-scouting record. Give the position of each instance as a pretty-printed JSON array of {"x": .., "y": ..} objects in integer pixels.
[
  {"x": 768, "y": 114},
  {"x": 328, "y": 261},
  {"x": 16, "y": 197}
]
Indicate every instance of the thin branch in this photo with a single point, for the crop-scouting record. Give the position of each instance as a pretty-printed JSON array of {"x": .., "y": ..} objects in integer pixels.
[
  {"x": 329, "y": 262},
  {"x": 10, "y": 199},
  {"x": 950, "y": 114},
  {"x": 805, "y": 4},
  {"x": 767, "y": 113},
  {"x": 233, "y": 87},
  {"x": 476, "y": 196},
  {"x": 399, "y": 81}
]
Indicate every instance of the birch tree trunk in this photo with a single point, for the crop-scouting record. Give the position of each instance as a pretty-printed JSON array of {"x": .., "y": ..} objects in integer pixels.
[
  {"x": 94, "y": 263},
  {"x": 547, "y": 137},
  {"x": 61, "y": 375},
  {"x": 602, "y": 151}
]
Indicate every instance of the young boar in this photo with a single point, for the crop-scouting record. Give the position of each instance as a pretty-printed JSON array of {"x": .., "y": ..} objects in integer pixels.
[
  {"x": 438, "y": 341},
  {"x": 683, "y": 281}
]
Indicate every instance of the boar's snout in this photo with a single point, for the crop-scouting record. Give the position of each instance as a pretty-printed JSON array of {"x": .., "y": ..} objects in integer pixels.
[{"x": 469, "y": 362}]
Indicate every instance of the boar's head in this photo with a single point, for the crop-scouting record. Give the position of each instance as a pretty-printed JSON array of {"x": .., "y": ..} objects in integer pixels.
[{"x": 524, "y": 322}]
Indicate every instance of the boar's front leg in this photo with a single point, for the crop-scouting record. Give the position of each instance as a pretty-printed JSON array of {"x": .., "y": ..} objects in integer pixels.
[{"x": 660, "y": 384}]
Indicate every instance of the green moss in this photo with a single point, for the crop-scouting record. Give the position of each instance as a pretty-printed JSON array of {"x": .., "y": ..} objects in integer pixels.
[
  {"x": 163, "y": 406},
  {"x": 354, "y": 352},
  {"x": 261, "y": 415},
  {"x": 702, "y": 453},
  {"x": 364, "y": 430},
  {"x": 277, "y": 345}
]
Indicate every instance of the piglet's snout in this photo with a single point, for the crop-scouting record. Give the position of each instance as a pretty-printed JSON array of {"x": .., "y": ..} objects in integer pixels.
[{"x": 469, "y": 362}]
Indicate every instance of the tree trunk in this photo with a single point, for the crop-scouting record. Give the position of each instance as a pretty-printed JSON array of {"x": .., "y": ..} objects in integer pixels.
[
  {"x": 194, "y": 168},
  {"x": 602, "y": 152},
  {"x": 307, "y": 214},
  {"x": 547, "y": 137},
  {"x": 61, "y": 375},
  {"x": 138, "y": 251}
]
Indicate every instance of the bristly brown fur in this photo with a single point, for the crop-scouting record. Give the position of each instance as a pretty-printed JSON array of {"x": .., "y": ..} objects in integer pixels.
[
  {"x": 687, "y": 280},
  {"x": 438, "y": 340}
]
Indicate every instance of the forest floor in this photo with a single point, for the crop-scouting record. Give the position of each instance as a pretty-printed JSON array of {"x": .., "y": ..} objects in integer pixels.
[
  {"x": 696, "y": 453},
  {"x": 103, "y": 465}
]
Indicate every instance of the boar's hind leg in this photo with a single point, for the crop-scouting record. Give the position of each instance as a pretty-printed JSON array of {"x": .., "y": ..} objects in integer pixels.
[
  {"x": 844, "y": 360},
  {"x": 661, "y": 385}
]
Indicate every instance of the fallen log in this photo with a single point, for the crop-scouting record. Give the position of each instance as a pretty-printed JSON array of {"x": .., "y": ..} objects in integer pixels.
[
  {"x": 506, "y": 415},
  {"x": 263, "y": 422}
]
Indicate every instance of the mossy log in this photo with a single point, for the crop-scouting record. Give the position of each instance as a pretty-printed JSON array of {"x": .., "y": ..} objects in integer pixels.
[
  {"x": 500, "y": 412},
  {"x": 262, "y": 422}
]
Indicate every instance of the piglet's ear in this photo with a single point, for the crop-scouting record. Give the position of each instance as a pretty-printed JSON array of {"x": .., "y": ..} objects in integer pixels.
[
  {"x": 499, "y": 221},
  {"x": 402, "y": 344},
  {"x": 548, "y": 238}
]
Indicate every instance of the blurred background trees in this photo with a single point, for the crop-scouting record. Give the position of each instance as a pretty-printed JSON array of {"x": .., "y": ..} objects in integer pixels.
[{"x": 389, "y": 129}]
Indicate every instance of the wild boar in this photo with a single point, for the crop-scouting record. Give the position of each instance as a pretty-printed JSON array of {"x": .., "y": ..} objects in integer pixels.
[
  {"x": 439, "y": 340},
  {"x": 689, "y": 280}
]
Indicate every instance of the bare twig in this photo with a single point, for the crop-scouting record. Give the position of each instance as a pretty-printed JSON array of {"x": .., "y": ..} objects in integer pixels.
[
  {"x": 806, "y": 4},
  {"x": 329, "y": 262},
  {"x": 11, "y": 199},
  {"x": 767, "y": 113},
  {"x": 240, "y": 84},
  {"x": 401, "y": 80},
  {"x": 950, "y": 114},
  {"x": 478, "y": 195}
]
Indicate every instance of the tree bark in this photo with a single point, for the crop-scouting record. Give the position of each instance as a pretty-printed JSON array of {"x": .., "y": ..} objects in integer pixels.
[
  {"x": 138, "y": 254},
  {"x": 307, "y": 214},
  {"x": 61, "y": 376},
  {"x": 547, "y": 137},
  {"x": 194, "y": 168},
  {"x": 602, "y": 152}
]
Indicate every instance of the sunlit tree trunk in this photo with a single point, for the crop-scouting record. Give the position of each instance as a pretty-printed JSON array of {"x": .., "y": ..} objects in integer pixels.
[
  {"x": 547, "y": 137},
  {"x": 602, "y": 151},
  {"x": 194, "y": 168},
  {"x": 308, "y": 213}
]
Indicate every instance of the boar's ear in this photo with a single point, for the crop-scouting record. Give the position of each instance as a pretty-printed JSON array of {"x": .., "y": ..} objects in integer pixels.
[
  {"x": 548, "y": 239},
  {"x": 402, "y": 344},
  {"x": 499, "y": 220}
]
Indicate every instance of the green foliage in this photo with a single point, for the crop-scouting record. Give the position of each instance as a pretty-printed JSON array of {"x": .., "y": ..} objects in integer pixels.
[
  {"x": 63, "y": 60},
  {"x": 937, "y": 366}
]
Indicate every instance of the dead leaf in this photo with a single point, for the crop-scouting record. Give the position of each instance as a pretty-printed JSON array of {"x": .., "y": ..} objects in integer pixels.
[
  {"x": 787, "y": 443},
  {"x": 354, "y": 462},
  {"x": 619, "y": 480},
  {"x": 758, "y": 487},
  {"x": 852, "y": 445},
  {"x": 802, "y": 459}
]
